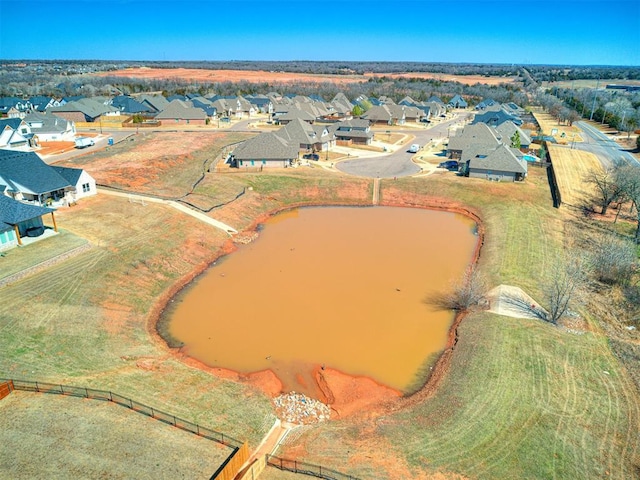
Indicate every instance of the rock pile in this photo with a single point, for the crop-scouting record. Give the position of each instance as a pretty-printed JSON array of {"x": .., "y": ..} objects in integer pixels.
[{"x": 298, "y": 408}]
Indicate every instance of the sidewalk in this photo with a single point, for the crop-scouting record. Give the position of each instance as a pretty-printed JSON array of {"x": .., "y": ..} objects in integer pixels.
[{"x": 178, "y": 206}]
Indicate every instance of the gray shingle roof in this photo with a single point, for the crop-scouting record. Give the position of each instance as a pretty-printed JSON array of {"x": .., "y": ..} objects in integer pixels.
[
  {"x": 178, "y": 109},
  {"x": 501, "y": 159},
  {"x": 71, "y": 175},
  {"x": 13, "y": 212},
  {"x": 479, "y": 133},
  {"x": 266, "y": 146},
  {"x": 26, "y": 172}
]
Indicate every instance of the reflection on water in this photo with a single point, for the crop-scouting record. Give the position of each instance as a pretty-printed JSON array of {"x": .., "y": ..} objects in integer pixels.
[{"x": 337, "y": 286}]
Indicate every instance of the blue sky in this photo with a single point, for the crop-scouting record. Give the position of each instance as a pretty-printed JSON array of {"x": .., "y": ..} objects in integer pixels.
[{"x": 576, "y": 32}]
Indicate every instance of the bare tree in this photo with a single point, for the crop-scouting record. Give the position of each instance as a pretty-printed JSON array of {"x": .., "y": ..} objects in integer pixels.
[
  {"x": 463, "y": 294},
  {"x": 607, "y": 186},
  {"x": 628, "y": 177},
  {"x": 568, "y": 278}
]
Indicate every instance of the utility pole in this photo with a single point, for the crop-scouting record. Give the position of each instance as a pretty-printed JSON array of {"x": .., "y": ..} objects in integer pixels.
[{"x": 595, "y": 95}]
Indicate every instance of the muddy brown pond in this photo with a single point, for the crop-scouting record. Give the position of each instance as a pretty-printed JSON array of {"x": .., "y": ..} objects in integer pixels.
[{"x": 336, "y": 286}]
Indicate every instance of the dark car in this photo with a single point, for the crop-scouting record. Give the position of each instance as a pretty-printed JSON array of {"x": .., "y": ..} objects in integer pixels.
[
  {"x": 449, "y": 165},
  {"x": 311, "y": 156}
]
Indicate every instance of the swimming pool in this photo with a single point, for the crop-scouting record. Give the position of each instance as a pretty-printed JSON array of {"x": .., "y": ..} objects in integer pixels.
[{"x": 530, "y": 158}]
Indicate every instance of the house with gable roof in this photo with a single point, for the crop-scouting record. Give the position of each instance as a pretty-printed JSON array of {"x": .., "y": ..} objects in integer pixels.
[
  {"x": 181, "y": 112},
  {"x": 15, "y": 134},
  {"x": 84, "y": 110},
  {"x": 496, "y": 115},
  {"x": 385, "y": 115},
  {"x": 266, "y": 150},
  {"x": 84, "y": 184},
  {"x": 458, "y": 102},
  {"x": 479, "y": 135},
  {"x": 25, "y": 177},
  {"x": 130, "y": 106},
  {"x": 354, "y": 131},
  {"x": 499, "y": 164},
  {"x": 307, "y": 137},
  {"x": 42, "y": 103},
  {"x": 156, "y": 103},
  {"x": 47, "y": 127},
  {"x": 507, "y": 131}
]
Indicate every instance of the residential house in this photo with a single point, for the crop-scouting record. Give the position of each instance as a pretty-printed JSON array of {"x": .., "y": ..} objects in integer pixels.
[
  {"x": 486, "y": 103},
  {"x": 472, "y": 135},
  {"x": 47, "y": 127},
  {"x": 261, "y": 103},
  {"x": 295, "y": 114},
  {"x": 507, "y": 132},
  {"x": 15, "y": 134},
  {"x": 499, "y": 164},
  {"x": 307, "y": 137},
  {"x": 205, "y": 104},
  {"x": 435, "y": 99},
  {"x": 385, "y": 115},
  {"x": 237, "y": 107},
  {"x": 83, "y": 183},
  {"x": 130, "y": 106},
  {"x": 265, "y": 151},
  {"x": 495, "y": 115},
  {"x": 84, "y": 110},
  {"x": 458, "y": 102},
  {"x": 19, "y": 220},
  {"x": 156, "y": 103},
  {"x": 182, "y": 113},
  {"x": 14, "y": 107},
  {"x": 354, "y": 131},
  {"x": 25, "y": 177},
  {"x": 41, "y": 103}
]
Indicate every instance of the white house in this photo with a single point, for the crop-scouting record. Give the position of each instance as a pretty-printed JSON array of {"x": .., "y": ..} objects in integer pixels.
[{"x": 85, "y": 184}]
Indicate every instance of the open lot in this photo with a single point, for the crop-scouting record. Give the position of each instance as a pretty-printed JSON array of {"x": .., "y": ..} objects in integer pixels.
[
  {"x": 519, "y": 399},
  {"x": 213, "y": 76}
]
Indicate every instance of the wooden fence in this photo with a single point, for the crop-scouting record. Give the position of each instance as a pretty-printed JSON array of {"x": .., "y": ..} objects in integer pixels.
[{"x": 231, "y": 466}]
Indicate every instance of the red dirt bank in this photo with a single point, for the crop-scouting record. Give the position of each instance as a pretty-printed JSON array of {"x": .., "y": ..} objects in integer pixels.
[{"x": 345, "y": 394}]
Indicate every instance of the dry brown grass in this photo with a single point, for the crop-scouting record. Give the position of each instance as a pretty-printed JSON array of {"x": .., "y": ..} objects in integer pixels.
[
  {"x": 548, "y": 124},
  {"x": 70, "y": 437},
  {"x": 571, "y": 168}
]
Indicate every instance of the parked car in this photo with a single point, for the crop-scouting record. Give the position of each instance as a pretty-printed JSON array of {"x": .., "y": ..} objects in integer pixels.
[
  {"x": 450, "y": 165},
  {"x": 311, "y": 156},
  {"x": 414, "y": 148}
]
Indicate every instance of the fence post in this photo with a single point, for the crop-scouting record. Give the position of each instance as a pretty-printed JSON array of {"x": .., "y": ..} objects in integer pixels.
[
  {"x": 37, "y": 387},
  {"x": 86, "y": 392},
  {"x": 153, "y": 413}
]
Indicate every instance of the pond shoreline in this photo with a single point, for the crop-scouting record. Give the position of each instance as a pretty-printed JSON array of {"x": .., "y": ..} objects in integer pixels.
[{"x": 347, "y": 395}]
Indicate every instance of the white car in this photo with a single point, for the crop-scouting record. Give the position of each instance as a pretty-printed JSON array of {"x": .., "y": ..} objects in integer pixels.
[{"x": 414, "y": 148}]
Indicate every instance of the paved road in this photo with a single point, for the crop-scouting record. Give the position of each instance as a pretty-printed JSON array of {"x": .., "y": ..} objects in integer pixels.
[
  {"x": 603, "y": 147},
  {"x": 399, "y": 163}
]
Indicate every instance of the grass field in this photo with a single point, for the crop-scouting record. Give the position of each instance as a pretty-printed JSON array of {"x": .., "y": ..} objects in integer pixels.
[
  {"x": 522, "y": 399},
  {"x": 64, "y": 437},
  {"x": 572, "y": 168}
]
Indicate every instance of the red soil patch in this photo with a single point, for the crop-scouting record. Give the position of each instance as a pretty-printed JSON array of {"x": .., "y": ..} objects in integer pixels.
[{"x": 261, "y": 76}]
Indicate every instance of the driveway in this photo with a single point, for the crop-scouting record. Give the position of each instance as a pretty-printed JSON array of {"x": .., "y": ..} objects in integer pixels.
[{"x": 400, "y": 163}]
